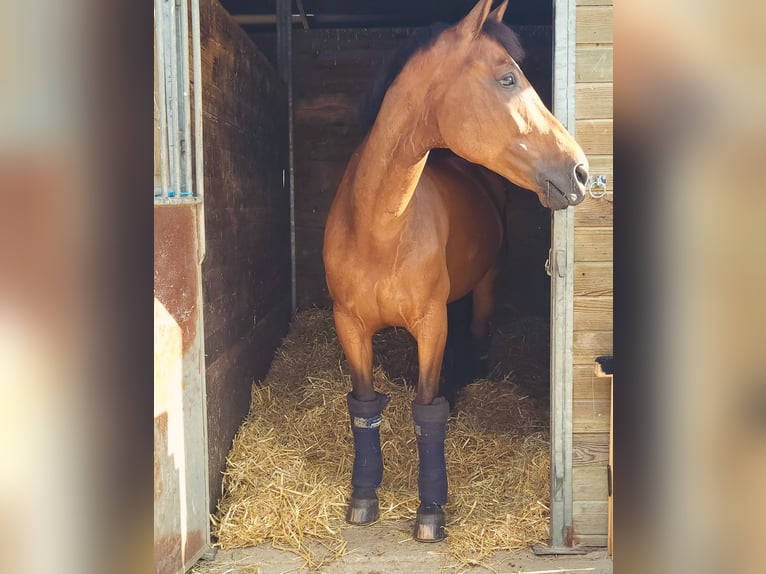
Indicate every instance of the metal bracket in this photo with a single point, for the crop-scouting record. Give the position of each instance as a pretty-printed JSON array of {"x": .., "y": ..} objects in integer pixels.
[
  {"x": 548, "y": 264},
  {"x": 541, "y": 550},
  {"x": 599, "y": 182},
  {"x": 209, "y": 554}
]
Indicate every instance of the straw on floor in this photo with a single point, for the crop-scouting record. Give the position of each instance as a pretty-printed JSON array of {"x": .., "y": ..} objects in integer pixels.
[{"x": 288, "y": 472}]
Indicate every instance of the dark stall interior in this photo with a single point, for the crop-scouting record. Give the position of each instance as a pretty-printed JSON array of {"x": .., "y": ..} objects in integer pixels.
[{"x": 337, "y": 49}]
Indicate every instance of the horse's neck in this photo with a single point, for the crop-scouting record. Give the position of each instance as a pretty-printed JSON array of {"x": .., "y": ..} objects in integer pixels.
[{"x": 392, "y": 158}]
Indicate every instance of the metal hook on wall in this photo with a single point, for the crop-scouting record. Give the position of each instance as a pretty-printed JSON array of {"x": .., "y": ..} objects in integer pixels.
[{"x": 597, "y": 182}]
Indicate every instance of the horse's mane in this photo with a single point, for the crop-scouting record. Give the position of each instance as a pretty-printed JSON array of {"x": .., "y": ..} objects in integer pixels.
[{"x": 419, "y": 40}]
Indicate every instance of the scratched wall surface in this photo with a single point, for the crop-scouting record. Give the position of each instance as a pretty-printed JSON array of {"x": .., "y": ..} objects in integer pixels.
[
  {"x": 180, "y": 515},
  {"x": 593, "y": 273},
  {"x": 246, "y": 272}
]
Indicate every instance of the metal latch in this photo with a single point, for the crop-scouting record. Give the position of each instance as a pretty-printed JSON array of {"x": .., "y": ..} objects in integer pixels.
[{"x": 561, "y": 263}]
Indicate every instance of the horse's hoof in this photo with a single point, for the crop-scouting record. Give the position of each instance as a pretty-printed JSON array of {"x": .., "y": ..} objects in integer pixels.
[
  {"x": 362, "y": 511},
  {"x": 429, "y": 524}
]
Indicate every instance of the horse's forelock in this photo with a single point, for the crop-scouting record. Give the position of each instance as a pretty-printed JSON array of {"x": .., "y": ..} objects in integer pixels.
[{"x": 507, "y": 38}]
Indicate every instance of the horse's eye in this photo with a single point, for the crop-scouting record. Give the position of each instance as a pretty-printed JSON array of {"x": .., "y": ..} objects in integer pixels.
[{"x": 507, "y": 81}]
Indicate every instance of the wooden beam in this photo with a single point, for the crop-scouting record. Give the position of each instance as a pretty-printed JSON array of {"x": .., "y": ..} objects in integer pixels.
[
  {"x": 594, "y": 100},
  {"x": 593, "y": 64},
  {"x": 588, "y": 345},
  {"x": 595, "y": 136},
  {"x": 589, "y": 387},
  {"x": 596, "y": 212},
  {"x": 589, "y": 483},
  {"x": 591, "y": 449},
  {"x": 593, "y": 313},
  {"x": 593, "y": 244},
  {"x": 594, "y": 24},
  {"x": 593, "y": 279},
  {"x": 590, "y": 517},
  {"x": 591, "y": 416}
]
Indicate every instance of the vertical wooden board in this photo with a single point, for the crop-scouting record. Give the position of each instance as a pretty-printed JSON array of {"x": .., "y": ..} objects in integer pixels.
[
  {"x": 594, "y": 100},
  {"x": 594, "y": 24},
  {"x": 587, "y": 345},
  {"x": 593, "y": 279},
  {"x": 590, "y": 517},
  {"x": 593, "y": 313},
  {"x": 593, "y": 64},
  {"x": 589, "y": 483},
  {"x": 595, "y": 136},
  {"x": 593, "y": 244},
  {"x": 247, "y": 265}
]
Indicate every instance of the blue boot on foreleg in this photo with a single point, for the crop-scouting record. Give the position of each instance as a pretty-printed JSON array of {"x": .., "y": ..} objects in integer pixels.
[
  {"x": 367, "y": 472},
  {"x": 431, "y": 431}
]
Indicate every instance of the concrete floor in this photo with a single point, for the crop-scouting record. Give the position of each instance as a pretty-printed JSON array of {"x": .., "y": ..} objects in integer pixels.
[{"x": 389, "y": 549}]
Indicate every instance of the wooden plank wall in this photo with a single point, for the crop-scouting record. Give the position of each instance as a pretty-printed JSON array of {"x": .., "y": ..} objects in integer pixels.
[
  {"x": 593, "y": 272},
  {"x": 246, "y": 272},
  {"x": 333, "y": 71}
]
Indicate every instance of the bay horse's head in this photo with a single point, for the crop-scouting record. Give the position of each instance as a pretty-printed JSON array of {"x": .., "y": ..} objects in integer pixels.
[{"x": 486, "y": 111}]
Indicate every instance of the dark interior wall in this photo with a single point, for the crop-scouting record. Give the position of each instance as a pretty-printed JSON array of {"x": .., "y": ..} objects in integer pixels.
[
  {"x": 246, "y": 271},
  {"x": 333, "y": 70}
]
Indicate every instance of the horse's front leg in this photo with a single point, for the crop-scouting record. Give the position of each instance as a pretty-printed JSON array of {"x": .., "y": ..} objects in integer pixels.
[
  {"x": 365, "y": 407},
  {"x": 429, "y": 413}
]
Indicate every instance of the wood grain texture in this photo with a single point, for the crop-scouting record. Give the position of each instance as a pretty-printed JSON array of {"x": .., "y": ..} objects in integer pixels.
[
  {"x": 595, "y": 212},
  {"x": 592, "y": 540},
  {"x": 589, "y": 517},
  {"x": 590, "y": 416},
  {"x": 594, "y": 25},
  {"x": 595, "y": 136},
  {"x": 246, "y": 272},
  {"x": 593, "y": 279},
  {"x": 593, "y": 244},
  {"x": 589, "y": 483},
  {"x": 587, "y": 386},
  {"x": 593, "y": 64},
  {"x": 593, "y": 313},
  {"x": 587, "y": 345},
  {"x": 590, "y": 449},
  {"x": 594, "y": 100}
]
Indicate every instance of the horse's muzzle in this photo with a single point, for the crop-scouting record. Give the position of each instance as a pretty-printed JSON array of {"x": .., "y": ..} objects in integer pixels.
[{"x": 562, "y": 192}]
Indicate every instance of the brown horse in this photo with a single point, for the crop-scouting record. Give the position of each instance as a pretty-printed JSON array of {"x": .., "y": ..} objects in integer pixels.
[{"x": 406, "y": 235}]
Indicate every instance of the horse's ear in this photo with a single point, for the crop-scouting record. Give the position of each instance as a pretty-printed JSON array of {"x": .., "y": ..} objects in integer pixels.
[
  {"x": 470, "y": 26},
  {"x": 498, "y": 13}
]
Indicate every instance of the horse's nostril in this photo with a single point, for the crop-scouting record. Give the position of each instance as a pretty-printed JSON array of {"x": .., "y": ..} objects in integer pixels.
[{"x": 581, "y": 174}]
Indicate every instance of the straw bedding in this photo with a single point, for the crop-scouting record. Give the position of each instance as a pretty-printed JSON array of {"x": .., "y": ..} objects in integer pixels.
[{"x": 289, "y": 469}]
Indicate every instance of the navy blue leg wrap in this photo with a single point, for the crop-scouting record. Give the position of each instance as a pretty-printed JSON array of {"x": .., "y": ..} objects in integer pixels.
[
  {"x": 431, "y": 430},
  {"x": 368, "y": 461}
]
